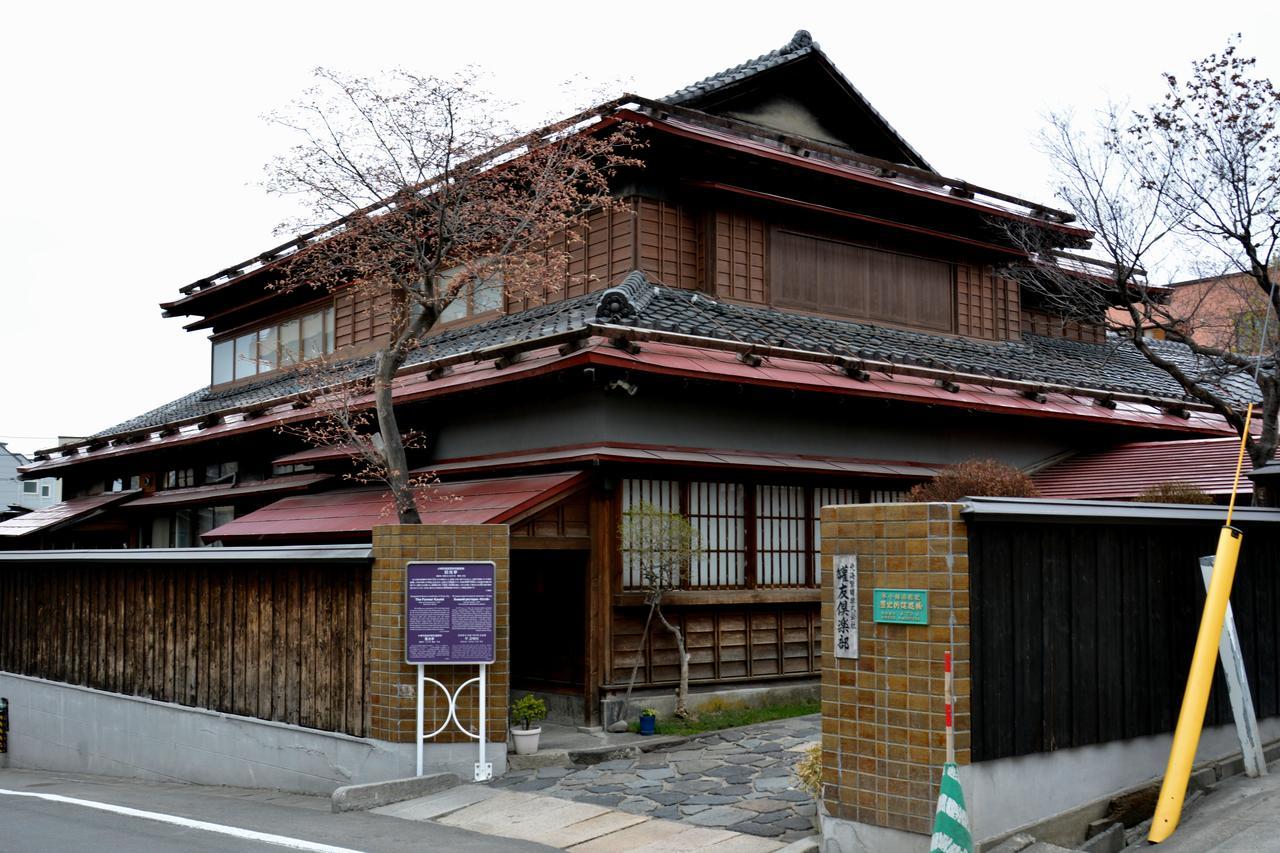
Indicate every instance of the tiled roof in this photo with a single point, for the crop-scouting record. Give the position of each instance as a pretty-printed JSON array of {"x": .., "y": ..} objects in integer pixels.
[
  {"x": 801, "y": 44},
  {"x": 641, "y": 303}
]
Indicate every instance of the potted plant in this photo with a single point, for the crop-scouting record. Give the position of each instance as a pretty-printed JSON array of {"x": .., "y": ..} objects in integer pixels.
[
  {"x": 526, "y": 710},
  {"x": 648, "y": 721}
]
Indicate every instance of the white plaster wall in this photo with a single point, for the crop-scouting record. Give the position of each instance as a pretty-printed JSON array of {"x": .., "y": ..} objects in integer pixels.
[{"x": 54, "y": 726}]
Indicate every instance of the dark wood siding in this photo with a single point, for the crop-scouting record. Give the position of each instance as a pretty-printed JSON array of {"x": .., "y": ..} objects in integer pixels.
[
  {"x": 279, "y": 643},
  {"x": 1083, "y": 633},
  {"x": 833, "y": 277},
  {"x": 739, "y": 259},
  {"x": 725, "y": 643},
  {"x": 668, "y": 242},
  {"x": 987, "y": 306},
  {"x": 1042, "y": 323}
]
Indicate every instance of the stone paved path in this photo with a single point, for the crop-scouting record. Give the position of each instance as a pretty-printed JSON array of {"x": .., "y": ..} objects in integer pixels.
[{"x": 736, "y": 779}]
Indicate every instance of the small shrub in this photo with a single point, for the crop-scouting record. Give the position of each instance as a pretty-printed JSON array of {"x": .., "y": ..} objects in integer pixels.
[
  {"x": 1174, "y": 492},
  {"x": 976, "y": 478},
  {"x": 528, "y": 709},
  {"x": 808, "y": 771},
  {"x": 648, "y": 712}
]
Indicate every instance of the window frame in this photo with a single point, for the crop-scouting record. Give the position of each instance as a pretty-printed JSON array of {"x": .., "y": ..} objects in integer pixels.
[
  {"x": 808, "y": 524},
  {"x": 248, "y": 365}
]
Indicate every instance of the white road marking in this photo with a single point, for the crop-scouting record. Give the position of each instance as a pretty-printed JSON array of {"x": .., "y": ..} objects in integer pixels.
[{"x": 234, "y": 831}]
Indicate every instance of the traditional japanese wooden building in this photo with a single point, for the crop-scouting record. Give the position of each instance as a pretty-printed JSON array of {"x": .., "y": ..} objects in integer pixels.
[{"x": 793, "y": 309}]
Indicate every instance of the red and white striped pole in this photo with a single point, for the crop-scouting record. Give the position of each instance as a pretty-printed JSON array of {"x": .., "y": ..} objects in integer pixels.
[{"x": 949, "y": 699}]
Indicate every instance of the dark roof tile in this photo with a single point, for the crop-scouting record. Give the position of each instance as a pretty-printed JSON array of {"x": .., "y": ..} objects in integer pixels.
[{"x": 642, "y": 303}]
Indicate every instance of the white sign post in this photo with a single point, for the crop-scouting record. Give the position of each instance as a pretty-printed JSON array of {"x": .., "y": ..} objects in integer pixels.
[
  {"x": 1255, "y": 763},
  {"x": 846, "y": 606}
]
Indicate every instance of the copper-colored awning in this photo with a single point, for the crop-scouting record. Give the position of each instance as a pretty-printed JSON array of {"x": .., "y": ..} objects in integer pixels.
[
  {"x": 50, "y": 517},
  {"x": 341, "y": 515}
]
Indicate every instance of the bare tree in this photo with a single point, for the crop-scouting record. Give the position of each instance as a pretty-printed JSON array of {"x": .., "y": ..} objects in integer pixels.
[
  {"x": 1195, "y": 175},
  {"x": 658, "y": 547},
  {"x": 419, "y": 196}
]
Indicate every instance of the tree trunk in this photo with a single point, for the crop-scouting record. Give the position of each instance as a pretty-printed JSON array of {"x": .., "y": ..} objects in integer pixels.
[
  {"x": 1260, "y": 453},
  {"x": 392, "y": 446},
  {"x": 682, "y": 690}
]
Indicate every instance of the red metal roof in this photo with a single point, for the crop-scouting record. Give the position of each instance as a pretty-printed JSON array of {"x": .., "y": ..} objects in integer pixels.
[
  {"x": 227, "y": 492},
  {"x": 694, "y": 456},
  {"x": 686, "y": 361},
  {"x": 342, "y": 514},
  {"x": 63, "y": 513},
  {"x": 1128, "y": 470}
]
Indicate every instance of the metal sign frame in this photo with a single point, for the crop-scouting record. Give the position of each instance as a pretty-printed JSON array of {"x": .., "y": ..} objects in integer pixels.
[{"x": 483, "y": 768}]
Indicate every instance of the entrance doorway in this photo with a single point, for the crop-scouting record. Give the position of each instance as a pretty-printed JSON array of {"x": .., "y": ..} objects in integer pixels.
[{"x": 548, "y": 630}]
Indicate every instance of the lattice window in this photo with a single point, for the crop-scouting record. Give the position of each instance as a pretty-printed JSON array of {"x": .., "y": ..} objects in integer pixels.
[
  {"x": 718, "y": 512},
  {"x": 781, "y": 553},
  {"x": 826, "y": 497},
  {"x": 663, "y": 494},
  {"x": 888, "y": 496}
]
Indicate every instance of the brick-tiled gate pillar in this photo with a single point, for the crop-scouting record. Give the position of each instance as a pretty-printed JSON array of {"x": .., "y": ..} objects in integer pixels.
[
  {"x": 883, "y": 732},
  {"x": 392, "y": 681}
]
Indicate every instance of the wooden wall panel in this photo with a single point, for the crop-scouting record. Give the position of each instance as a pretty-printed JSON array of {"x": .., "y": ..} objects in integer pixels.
[
  {"x": 358, "y": 318},
  {"x": 739, "y": 258},
  {"x": 239, "y": 639},
  {"x": 725, "y": 643},
  {"x": 668, "y": 242},
  {"x": 987, "y": 306},
  {"x": 1082, "y": 633},
  {"x": 861, "y": 283},
  {"x": 603, "y": 252},
  {"x": 568, "y": 518},
  {"x": 1042, "y": 323}
]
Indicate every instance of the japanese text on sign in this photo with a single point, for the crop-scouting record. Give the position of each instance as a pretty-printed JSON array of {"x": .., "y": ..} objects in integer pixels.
[
  {"x": 449, "y": 613},
  {"x": 846, "y": 639},
  {"x": 901, "y": 606}
]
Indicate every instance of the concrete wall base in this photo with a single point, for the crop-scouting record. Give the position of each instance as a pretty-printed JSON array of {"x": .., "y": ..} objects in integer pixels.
[
  {"x": 850, "y": 836},
  {"x": 64, "y": 727},
  {"x": 1009, "y": 794},
  {"x": 704, "y": 697}
]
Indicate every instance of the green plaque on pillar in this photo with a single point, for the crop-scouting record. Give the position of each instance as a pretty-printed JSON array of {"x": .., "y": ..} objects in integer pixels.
[{"x": 901, "y": 606}]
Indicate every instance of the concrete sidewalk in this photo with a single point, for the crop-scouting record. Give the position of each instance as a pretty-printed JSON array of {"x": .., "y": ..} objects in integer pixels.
[
  {"x": 1239, "y": 815},
  {"x": 569, "y": 825}
]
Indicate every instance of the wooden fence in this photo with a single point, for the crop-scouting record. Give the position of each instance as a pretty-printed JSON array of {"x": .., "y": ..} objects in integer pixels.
[
  {"x": 284, "y": 640},
  {"x": 1082, "y": 631}
]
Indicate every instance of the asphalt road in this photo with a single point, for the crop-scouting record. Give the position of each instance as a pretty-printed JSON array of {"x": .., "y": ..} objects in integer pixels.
[
  {"x": 37, "y": 826},
  {"x": 61, "y": 812}
]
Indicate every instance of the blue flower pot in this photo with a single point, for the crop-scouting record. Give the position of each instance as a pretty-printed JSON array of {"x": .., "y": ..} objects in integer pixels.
[{"x": 647, "y": 724}]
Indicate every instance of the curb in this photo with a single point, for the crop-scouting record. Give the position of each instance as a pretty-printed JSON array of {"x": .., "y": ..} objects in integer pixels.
[{"x": 351, "y": 798}]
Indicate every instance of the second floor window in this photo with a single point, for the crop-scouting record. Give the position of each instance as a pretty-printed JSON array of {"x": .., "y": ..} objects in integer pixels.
[{"x": 272, "y": 347}]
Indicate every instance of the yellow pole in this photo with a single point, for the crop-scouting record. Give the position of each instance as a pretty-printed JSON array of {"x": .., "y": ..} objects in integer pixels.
[{"x": 1186, "y": 737}]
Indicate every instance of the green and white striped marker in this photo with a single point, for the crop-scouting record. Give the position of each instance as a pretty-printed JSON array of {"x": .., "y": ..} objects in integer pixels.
[{"x": 951, "y": 822}]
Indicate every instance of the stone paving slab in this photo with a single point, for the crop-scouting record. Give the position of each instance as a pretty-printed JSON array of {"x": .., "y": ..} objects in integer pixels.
[{"x": 736, "y": 779}]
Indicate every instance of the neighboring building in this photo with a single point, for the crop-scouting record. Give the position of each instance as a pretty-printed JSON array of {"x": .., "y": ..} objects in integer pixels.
[
  {"x": 795, "y": 309},
  {"x": 21, "y": 496},
  {"x": 1224, "y": 311}
]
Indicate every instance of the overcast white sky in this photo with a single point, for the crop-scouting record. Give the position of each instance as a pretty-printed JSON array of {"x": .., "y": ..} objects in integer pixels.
[{"x": 132, "y": 144}]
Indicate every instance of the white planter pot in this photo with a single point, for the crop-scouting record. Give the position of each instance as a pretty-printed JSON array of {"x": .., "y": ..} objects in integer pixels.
[{"x": 526, "y": 740}]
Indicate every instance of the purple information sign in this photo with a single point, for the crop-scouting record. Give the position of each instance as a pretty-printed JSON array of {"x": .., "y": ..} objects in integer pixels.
[{"x": 449, "y": 612}]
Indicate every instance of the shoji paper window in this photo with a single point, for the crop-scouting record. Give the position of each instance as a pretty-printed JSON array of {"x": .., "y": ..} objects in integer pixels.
[
  {"x": 718, "y": 512},
  {"x": 780, "y": 536}
]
